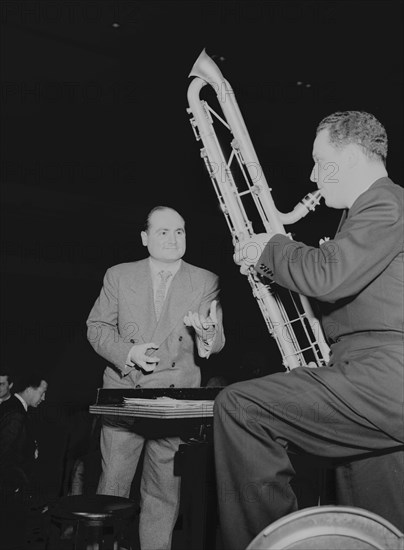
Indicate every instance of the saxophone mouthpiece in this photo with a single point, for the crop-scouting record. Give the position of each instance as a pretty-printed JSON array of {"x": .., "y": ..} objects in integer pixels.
[{"x": 311, "y": 200}]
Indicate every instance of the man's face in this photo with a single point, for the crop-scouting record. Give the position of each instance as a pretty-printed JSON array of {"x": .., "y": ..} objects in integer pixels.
[
  {"x": 37, "y": 395},
  {"x": 330, "y": 170},
  {"x": 5, "y": 387},
  {"x": 165, "y": 238}
]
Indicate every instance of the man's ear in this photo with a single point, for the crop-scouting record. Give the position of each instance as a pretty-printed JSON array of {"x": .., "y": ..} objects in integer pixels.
[
  {"x": 11, "y": 385},
  {"x": 352, "y": 155},
  {"x": 144, "y": 237}
]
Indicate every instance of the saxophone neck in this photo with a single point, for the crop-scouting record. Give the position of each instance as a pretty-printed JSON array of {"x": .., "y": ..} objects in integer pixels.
[{"x": 306, "y": 205}]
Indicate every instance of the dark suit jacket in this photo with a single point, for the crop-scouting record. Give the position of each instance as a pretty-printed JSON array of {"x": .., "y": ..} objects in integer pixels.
[
  {"x": 17, "y": 446},
  {"x": 124, "y": 315},
  {"x": 358, "y": 279}
]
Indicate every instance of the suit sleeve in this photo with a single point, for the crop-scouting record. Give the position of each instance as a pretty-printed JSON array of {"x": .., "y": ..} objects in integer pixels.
[
  {"x": 11, "y": 430},
  {"x": 368, "y": 241},
  {"x": 11, "y": 426},
  {"x": 103, "y": 332},
  {"x": 211, "y": 292}
]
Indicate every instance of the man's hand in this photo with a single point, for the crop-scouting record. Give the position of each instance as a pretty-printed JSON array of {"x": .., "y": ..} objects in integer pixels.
[
  {"x": 248, "y": 250},
  {"x": 140, "y": 354},
  {"x": 205, "y": 327}
]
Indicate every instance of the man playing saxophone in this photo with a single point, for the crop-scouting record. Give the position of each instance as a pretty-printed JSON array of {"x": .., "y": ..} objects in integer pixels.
[{"x": 353, "y": 405}]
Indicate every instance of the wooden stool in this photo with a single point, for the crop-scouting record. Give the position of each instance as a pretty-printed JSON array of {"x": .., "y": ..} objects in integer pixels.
[{"x": 98, "y": 521}]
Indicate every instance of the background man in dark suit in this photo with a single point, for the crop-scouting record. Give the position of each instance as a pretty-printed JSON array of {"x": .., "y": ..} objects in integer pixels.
[
  {"x": 146, "y": 323},
  {"x": 353, "y": 405},
  {"x": 6, "y": 385},
  {"x": 18, "y": 452}
]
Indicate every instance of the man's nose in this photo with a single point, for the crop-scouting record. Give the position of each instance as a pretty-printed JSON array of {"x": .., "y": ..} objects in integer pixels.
[{"x": 314, "y": 174}]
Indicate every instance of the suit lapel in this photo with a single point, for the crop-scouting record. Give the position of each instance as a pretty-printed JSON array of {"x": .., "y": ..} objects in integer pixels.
[
  {"x": 180, "y": 295},
  {"x": 141, "y": 302},
  {"x": 342, "y": 220}
]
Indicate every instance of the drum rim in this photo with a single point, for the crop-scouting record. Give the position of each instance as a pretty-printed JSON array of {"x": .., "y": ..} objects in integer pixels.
[{"x": 326, "y": 509}]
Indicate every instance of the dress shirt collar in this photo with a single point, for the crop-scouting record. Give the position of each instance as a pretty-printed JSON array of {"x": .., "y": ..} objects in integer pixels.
[
  {"x": 156, "y": 267},
  {"x": 24, "y": 403}
]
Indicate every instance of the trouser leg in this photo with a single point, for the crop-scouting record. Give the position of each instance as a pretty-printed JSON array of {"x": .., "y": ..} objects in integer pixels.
[
  {"x": 13, "y": 520},
  {"x": 246, "y": 461},
  {"x": 160, "y": 493},
  {"x": 255, "y": 421},
  {"x": 120, "y": 452},
  {"x": 375, "y": 483}
]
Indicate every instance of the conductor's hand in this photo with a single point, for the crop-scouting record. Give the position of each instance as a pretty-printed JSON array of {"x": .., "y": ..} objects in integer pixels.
[
  {"x": 205, "y": 327},
  {"x": 141, "y": 355},
  {"x": 248, "y": 250}
]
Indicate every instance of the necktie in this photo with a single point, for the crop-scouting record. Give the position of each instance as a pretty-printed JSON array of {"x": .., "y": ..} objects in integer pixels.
[{"x": 161, "y": 291}]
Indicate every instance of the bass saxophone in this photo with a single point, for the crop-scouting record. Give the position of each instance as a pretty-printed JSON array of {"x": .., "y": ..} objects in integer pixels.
[{"x": 297, "y": 333}]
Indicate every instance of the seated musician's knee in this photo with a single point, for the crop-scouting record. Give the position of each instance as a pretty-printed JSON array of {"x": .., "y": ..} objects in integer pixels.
[{"x": 228, "y": 403}]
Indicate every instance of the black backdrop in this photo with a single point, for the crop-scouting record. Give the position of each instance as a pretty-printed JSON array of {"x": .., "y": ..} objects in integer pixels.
[{"x": 95, "y": 133}]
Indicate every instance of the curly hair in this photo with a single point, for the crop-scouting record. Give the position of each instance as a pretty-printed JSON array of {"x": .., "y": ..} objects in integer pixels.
[{"x": 357, "y": 127}]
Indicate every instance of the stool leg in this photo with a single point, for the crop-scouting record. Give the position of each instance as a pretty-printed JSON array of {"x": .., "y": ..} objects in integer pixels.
[
  {"x": 80, "y": 536},
  {"x": 96, "y": 538},
  {"x": 76, "y": 536},
  {"x": 88, "y": 537}
]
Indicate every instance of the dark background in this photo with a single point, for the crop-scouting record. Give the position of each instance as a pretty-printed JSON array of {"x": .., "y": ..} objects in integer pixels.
[{"x": 95, "y": 133}]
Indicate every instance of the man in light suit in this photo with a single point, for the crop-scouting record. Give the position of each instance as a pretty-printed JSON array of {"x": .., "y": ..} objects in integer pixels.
[
  {"x": 353, "y": 405},
  {"x": 147, "y": 321}
]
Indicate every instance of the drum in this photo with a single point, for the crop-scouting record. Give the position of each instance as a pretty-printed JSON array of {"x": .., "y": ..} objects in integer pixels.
[{"x": 329, "y": 527}]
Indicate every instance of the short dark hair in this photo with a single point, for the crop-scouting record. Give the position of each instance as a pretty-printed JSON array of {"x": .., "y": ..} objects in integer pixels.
[
  {"x": 358, "y": 127},
  {"x": 10, "y": 377},
  {"x": 146, "y": 225},
  {"x": 28, "y": 380}
]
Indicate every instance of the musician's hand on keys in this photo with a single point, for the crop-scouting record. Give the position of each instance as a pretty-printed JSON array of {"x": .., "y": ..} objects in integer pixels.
[
  {"x": 205, "y": 327},
  {"x": 141, "y": 355},
  {"x": 247, "y": 250}
]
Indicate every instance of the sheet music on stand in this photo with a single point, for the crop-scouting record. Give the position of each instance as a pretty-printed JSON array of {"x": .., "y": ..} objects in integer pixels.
[
  {"x": 167, "y": 407},
  {"x": 168, "y": 404}
]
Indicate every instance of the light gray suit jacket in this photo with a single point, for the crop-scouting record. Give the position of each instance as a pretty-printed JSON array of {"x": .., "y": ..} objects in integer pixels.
[{"x": 124, "y": 315}]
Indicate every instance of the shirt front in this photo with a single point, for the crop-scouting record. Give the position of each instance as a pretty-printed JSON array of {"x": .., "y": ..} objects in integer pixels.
[{"x": 157, "y": 267}]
